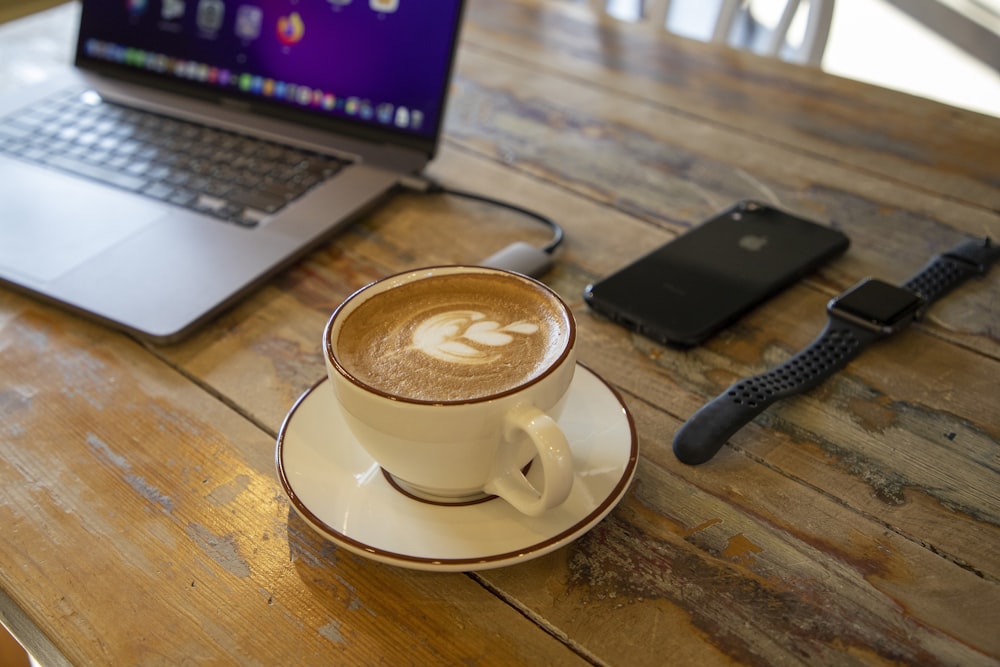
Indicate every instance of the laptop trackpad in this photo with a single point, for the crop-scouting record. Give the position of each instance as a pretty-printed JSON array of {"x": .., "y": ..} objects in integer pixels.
[{"x": 51, "y": 223}]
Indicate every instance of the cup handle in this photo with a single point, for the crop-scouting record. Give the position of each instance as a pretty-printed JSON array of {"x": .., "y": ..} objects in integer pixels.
[{"x": 553, "y": 455}]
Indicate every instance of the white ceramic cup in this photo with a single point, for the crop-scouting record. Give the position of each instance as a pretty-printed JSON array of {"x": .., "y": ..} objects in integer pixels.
[{"x": 478, "y": 440}]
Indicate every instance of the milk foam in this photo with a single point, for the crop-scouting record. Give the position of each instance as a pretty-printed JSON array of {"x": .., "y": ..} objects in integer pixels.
[
  {"x": 453, "y": 337},
  {"x": 465, "y": 336}
]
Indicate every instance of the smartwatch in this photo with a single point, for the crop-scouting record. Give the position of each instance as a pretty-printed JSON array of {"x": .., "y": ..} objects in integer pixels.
[{"x": 869, "y": 311}]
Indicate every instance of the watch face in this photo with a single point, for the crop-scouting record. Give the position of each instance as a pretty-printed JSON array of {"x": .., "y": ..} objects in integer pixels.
[{"x": 878, "y": 302}]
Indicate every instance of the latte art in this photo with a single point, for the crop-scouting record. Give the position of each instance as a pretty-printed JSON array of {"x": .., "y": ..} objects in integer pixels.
[
  {"x": 453, "y": 337},
  {"x": 465, "y": 336}
]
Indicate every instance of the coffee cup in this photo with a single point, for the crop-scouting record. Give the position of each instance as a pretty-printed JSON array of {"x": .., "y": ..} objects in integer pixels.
[{"x": 452, "y": 379}]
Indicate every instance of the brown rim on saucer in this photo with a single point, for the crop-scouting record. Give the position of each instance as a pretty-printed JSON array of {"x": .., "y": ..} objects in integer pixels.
[{"x": 337, "y": 536}]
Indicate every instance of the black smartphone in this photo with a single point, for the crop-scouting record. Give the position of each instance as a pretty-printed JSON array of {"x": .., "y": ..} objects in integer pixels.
[{"x": 690, "y": 288}]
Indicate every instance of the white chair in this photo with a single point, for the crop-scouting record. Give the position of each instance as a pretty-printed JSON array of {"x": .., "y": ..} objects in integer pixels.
[{"x": 738, "y": 23}]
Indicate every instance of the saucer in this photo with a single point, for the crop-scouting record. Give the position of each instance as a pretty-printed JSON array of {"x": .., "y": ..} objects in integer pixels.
[{"x": 340, "y": 491}]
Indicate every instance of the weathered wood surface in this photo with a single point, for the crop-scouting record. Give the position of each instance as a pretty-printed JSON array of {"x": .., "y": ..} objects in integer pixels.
[
  {"x": 940, "y": 148},
  {"x": 858, "y": 524},
  {"x": 145, "y": 518}
]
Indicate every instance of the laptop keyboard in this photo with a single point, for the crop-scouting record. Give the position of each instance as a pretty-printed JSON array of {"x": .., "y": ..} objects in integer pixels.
[{"x": 232, "y": 177}]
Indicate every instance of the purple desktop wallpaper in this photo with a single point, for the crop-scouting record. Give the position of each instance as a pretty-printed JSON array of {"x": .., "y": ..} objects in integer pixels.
[{"x": 382, "y": 63}]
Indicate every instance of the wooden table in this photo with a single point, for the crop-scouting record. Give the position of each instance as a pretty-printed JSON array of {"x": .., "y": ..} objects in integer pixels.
[{"x": 143, "y": 522}]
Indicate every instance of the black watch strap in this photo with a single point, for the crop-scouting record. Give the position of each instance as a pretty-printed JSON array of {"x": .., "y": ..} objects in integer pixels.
[
  {"x": 707, "y": 430},
  {"x": 949, "y": 270},
  {"x": 701, "y": 436}
]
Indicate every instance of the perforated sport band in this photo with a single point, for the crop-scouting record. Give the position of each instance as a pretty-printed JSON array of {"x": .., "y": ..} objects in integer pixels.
[
  {"x": 949, "y": 270},
  {"x": 707, "y": 430},
  {"x": 842, "y": 340}
]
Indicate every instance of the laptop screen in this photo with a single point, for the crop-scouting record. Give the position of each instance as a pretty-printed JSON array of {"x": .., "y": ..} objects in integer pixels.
[{"x": 380, "y": 64}]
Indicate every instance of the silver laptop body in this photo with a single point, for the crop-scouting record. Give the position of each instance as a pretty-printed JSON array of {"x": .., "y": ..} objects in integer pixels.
[{"x": 159, "y": 269}]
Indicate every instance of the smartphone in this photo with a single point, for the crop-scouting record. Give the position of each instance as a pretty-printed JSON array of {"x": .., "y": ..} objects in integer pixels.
[{"x": 697, "y": 284}]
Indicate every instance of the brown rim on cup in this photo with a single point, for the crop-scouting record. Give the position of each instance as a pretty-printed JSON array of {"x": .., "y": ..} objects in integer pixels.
[{"x": 431, "y": 271}]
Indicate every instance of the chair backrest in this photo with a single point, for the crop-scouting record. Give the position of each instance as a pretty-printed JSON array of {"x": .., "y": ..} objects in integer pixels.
[{"x": 734, "y": 22}]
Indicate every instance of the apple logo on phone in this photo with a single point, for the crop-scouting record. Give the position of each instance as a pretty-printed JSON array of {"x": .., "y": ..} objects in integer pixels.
[{"x": 753, "y": 242}]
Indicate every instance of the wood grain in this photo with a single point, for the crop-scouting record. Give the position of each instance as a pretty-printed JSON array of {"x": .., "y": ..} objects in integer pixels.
[
  {"x": 105, "y": 447},
  {"x": 858, "y": 524},
  {"x": 878, "y": 132}
]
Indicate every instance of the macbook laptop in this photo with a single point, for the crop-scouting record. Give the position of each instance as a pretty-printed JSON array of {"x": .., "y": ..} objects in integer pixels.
[{"x": 196, "y": 147}]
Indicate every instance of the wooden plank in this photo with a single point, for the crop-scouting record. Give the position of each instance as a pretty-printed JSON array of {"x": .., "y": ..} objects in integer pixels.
[
  {"x": 657, "y": 162},
  {"x": 143, "y": 523},
  {"x": 741, "y": 564},
  {"x": 879, "y": 133}
]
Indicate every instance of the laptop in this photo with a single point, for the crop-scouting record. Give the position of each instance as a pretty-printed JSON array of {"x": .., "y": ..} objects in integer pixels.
[{"x": 196, "y": 147}]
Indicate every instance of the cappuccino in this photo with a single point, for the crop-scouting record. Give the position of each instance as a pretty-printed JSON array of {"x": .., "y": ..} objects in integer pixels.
[{"x": 454, "y": 337}]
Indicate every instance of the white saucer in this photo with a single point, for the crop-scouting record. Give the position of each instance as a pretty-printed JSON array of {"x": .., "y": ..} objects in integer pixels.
[{"x": 341, "y": 492}]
